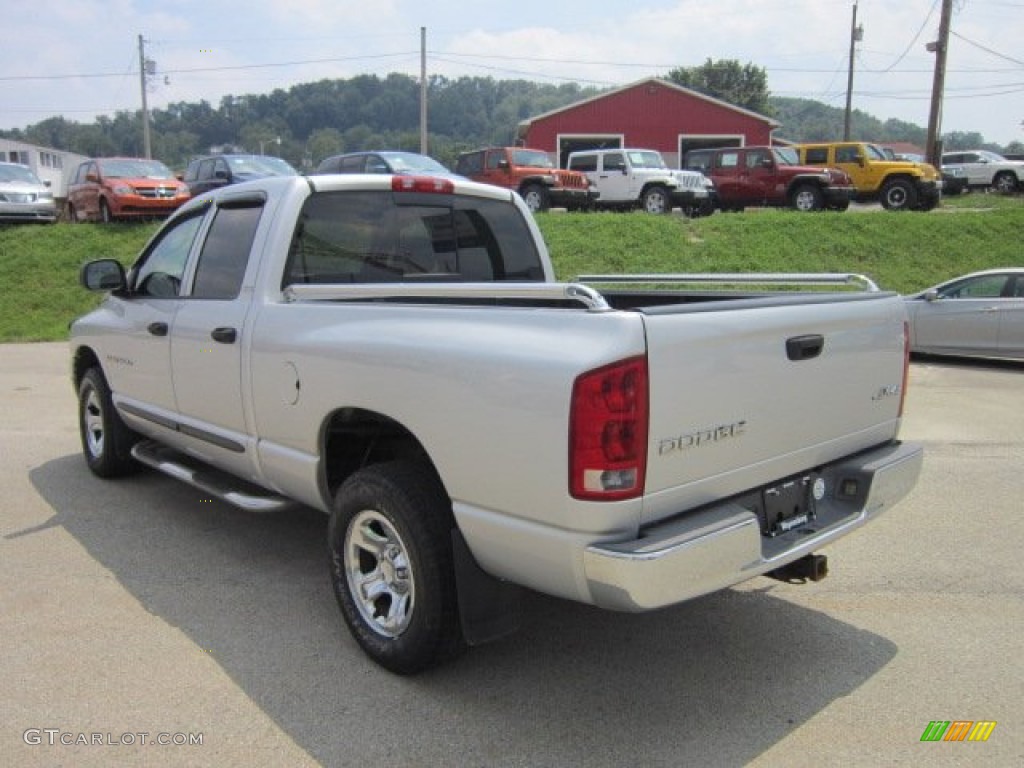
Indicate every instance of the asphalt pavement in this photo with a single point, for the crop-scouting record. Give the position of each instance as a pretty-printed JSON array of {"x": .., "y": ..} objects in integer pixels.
[{"x": 143, "y": 624}]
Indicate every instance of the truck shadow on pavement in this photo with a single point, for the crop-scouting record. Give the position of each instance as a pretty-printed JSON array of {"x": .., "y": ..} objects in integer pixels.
[{"x": 716, "y": 681}]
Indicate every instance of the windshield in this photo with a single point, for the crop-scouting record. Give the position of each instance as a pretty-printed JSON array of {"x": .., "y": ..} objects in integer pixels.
[
  {"x": 786, "y": 156},
  {"x": 647, "y": 158},
  {"x": 875, "y": 153},
  {"x": 134, "y": 169},
  {"x": 410, "y": 162},
  {"x": 258, "y": 165},
  {"x": 18, "y": 173},
  {"x": 530, "y": 158}
]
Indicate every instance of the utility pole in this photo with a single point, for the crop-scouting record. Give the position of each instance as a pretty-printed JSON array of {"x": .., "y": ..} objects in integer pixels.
[
  {"x": 856, "y": 35},
  {"x": 933, "y": 152},
  {"x": 143, "y": 71},
  {"x": 423, "y": 90}
]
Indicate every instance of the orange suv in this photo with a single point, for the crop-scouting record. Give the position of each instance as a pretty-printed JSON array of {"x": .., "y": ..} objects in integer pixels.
[
  {"x": 110, "y": 188},
  {"x": 531, "y": 173}
]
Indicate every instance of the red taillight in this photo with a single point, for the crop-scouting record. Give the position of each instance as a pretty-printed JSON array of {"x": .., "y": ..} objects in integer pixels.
[
  {"x": 608, "y": 432},
  {"x": 906, "y": 366},
  {"x": 422, "y": 184}
]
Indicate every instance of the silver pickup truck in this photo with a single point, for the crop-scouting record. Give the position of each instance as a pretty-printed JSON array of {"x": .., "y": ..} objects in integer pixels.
[{"x": 397, "y": 353}]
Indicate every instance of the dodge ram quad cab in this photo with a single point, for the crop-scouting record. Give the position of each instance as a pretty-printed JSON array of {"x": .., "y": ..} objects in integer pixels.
[
  {"x": 532, "y": 174},
  {"x": 899, "y": 185},
  {"x": 773, "y": 176},
  {"x": 630, "y": 178},
  {"x": 396, "y": 352}
]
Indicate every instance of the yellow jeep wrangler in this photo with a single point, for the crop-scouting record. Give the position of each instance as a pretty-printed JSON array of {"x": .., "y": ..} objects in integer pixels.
[{"x": 899, "y": 185}]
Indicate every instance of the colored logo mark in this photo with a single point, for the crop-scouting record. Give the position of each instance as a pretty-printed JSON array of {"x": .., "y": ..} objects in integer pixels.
[{"x": 958, "y": 730}]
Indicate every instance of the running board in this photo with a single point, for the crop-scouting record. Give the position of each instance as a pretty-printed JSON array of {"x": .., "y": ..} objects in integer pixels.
[{"x": 235, "y": 491}]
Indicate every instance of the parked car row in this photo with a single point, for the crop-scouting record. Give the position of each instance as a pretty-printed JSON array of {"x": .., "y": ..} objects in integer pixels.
[{"x": 804, "y": 177}]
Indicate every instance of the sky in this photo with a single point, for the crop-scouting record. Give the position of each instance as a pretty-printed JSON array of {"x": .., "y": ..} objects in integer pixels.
[{"x": 81, "y": 59}]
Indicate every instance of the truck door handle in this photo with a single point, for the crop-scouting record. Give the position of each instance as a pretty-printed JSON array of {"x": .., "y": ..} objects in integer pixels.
[
  {"x": 224, "y": 335},
  {"x": 805, "y": 347},
  {"x": 157, "y": 329}
]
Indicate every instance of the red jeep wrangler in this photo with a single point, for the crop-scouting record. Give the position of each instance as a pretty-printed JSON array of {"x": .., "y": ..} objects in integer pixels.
[
  {"x": 771, "y": 176},
  {"x": 531, "y": 173}
]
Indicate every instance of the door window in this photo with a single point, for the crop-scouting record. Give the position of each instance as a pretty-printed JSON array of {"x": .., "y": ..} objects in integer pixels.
[
  {"x": 158, "y": 274},
  {"x": 225, "y": 253}
]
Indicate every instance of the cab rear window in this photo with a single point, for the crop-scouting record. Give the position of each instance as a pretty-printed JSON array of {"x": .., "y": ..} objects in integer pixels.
[{"x": 381, "y": 236}]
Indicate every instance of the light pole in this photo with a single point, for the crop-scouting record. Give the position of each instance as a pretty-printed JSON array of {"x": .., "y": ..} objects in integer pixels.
[
  {"x": 933, "y": 153},
  {"x": 856, "y": 35}
]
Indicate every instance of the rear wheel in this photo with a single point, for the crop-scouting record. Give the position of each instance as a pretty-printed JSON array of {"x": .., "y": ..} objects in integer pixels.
[{"x": 390, "y": 545}]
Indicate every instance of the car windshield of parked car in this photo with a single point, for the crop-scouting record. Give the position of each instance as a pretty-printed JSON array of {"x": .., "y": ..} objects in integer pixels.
[
  {"x": 526, "y": 158},
  {"x": 18, "y": 173},
  {"x": 786, "y": 156},
  {"x": 260, "y": 166},
  {"x": 135, "y": 169},
  {"x": 646, "y": 159},
  {"x": 875, "y": 153},
  {"x": 407, "y": 162}
]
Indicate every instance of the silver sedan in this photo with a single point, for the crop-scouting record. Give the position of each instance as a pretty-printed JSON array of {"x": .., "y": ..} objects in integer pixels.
[{"x": 977, "y": 315}]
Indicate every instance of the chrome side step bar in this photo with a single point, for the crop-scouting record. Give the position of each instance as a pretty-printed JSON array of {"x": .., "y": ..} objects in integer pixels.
[{"x": 247, "y": 496}]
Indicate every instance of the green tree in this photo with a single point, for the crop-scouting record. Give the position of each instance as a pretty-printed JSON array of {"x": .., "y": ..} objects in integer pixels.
[{"x": 743, "y": 85}]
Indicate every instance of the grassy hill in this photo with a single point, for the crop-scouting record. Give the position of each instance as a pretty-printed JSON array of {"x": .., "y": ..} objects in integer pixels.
[{"x": 39, "y": 292}]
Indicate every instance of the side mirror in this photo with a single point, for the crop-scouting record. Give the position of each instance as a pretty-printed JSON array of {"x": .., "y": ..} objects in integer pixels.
[
  {"x": 931, "y": 295},
  {"x": 103, "y": 275}
]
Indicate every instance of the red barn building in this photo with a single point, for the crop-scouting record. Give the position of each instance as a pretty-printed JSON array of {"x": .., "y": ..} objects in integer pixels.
[{"x": 649, "y": 114}]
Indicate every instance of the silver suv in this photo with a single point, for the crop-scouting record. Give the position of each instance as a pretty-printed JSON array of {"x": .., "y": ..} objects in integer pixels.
[{"x": 987, "y": 169}]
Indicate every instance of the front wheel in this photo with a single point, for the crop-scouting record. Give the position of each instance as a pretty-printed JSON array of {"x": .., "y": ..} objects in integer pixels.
[
  {"x": 106, "y": 440},
  {"x": 536, "y": 198},
  {"x": 106, "y": 216},
  {"x": 390, "y": 546},
  {"x": 656, "y": 200},
  {"x": 807, "y": 197},
  {"x": 1005, "y": 183},
  {"x": 899, "y": 195}
]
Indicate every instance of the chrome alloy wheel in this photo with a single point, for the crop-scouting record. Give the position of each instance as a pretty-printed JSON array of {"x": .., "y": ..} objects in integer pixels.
[
  {"x": 92, "y": 423},
  {"x": 380, "y": 577}
]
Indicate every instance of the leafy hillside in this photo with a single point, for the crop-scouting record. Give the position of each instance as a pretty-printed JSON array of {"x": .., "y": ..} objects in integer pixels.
[{"x": 314, "y": 120}]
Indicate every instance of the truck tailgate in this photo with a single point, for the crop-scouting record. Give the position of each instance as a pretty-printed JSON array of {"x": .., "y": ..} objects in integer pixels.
[{"x": 752, "y": 391}]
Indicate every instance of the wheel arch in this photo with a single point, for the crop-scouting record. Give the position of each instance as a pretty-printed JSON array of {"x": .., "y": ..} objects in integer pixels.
[
  {"x": 354, "y": 438},
  {"x": 84, "y": 358}
]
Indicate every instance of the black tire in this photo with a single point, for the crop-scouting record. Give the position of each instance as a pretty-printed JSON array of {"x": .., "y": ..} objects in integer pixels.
[
  {"x": 807, "y": 197},
  {"x": 105, "y": 215},
  {"x": 1005, "y": 183},
  {"x": 390, "y": 547},
  {"x": 536, "y": 198},
  {"x": 72, "y": 214},
  {"x": 106, "y": 440},
  {"x": 899, "y": 195},
  {"x": 656, "y": 200}
]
